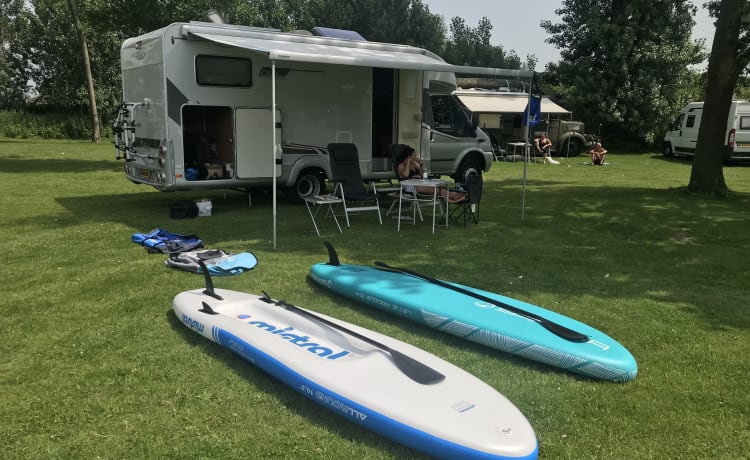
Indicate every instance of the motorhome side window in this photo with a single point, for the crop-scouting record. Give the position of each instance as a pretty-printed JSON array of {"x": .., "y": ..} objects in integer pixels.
[
  {"x": 678, "y": 122},
  {"x": 223, "y": 71},
  {"x": 690, "y": 123},
  {"x": 447, "y": 116}
]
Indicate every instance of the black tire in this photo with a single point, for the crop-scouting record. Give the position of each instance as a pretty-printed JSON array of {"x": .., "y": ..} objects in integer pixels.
[
  {"x": 310, "y": 182},
  {"x": 572, "y": 148},
  {"x": 468, "y": 167},
  {"x": 666, "y": 150}
]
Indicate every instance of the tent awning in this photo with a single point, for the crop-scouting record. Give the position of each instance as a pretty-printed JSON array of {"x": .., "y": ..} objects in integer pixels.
[
  {"x": 347, "y": 52},
  {"x": 489, "y": 102}
]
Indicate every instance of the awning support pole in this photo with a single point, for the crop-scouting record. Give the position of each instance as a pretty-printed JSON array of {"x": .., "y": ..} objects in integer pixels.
[{"x": 273, "y": 149}]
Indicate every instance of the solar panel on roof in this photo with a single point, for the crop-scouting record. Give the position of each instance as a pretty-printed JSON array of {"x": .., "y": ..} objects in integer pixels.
[{"x": 338, "y": 33}]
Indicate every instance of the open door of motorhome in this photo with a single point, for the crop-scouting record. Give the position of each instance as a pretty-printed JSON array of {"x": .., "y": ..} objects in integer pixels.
[{"x": 254, "y": 143}]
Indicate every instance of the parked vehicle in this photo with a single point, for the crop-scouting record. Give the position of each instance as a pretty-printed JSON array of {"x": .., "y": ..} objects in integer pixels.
[
  {"x": 501, "y": 115},
  {"x": 222, "y": 106},
  {"x": 682, "y": 136}
]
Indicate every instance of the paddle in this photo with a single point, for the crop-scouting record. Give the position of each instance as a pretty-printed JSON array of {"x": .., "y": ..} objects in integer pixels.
[
  {"x": 557, "y": 329},
  {"x": 412, "y": 368}
]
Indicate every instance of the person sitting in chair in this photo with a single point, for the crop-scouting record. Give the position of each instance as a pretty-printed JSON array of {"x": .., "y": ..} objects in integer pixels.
[
  {"x": 411, "y": 167},
  {"x": 543, "y": 145},
  {"x": 598, "y": 154}
]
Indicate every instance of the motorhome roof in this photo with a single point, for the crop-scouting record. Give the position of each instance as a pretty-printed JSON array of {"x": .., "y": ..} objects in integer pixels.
[{"x": 283, "y": 46}]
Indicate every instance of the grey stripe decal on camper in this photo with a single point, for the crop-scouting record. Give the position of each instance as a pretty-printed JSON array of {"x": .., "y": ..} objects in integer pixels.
[{"x": 175, "y": 100}]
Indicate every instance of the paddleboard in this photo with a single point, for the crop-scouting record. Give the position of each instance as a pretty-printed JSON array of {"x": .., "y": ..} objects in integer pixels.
[
  {"x": 397, "y": 390},
  {"x": 483, "y": 317}
]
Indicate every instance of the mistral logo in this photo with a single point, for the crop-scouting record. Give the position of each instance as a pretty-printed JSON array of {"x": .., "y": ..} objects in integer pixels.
[
  {"x": 192, "y": 324},
  {"x": 302, "y": 341}
]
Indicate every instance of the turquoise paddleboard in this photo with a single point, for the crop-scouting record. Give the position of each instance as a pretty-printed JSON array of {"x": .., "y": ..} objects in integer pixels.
[{"x": 483, "y": 317}]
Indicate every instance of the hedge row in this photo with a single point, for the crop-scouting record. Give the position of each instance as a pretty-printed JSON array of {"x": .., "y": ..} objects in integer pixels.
[{"x": 50, "y": 125}]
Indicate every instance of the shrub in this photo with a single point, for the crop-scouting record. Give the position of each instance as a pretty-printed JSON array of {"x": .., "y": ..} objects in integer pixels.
[{"x": 48, "y": 125}]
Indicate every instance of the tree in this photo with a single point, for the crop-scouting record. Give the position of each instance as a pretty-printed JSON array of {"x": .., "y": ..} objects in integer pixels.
[
  {"x": 12, "y": 81},
  {"x": 623, "y": 62},
  {"x": 471, "y": 46},
  {"x": 730, "y": 54},
  {"x": 95, "y": 134},
  {"x": 394, "y": 21}
]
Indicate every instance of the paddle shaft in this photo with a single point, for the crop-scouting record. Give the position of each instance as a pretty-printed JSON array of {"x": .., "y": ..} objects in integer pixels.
[
  {"x": 557, "y": 329},
  {"x": 410, "y": 367}
]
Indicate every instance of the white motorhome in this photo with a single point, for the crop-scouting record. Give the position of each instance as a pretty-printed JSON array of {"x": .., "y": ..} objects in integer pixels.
[
  {"x": 682, "y": 136},
  {"x": 221, "y": 106},
  {"x": 501, "y": 115}
]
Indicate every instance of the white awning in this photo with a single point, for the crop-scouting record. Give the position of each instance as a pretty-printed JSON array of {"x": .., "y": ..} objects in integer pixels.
[
  {"x": 347, "y": 52},
  {"x": 491, "y": 102}
]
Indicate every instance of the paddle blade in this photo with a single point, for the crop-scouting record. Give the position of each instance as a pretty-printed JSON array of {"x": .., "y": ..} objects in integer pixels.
[{"x": 414, "y": 369}]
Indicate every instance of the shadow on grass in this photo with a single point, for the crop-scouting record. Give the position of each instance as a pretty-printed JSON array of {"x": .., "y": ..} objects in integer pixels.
[
  {"x": 21, "y": 164},
  {"x": 630, "y": 234},
  {"x": 291, "y": 400}
]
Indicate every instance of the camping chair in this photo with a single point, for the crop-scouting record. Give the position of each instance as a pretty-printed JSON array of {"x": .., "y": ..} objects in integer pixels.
[
  {"x": 349, "y": 185},
  {"x": 470, "y": 203}
]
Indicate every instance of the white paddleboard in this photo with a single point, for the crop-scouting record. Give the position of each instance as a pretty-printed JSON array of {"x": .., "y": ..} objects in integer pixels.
[{"x": 390, "y": 387}]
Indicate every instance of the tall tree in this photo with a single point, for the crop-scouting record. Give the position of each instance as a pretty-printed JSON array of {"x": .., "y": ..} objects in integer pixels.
[
  {"x": 471, "y": 46},
  {"x": 12, "y": 81},
  {"x": 730, "y": 54},
  {"x": 95, "y": 132},
  {"x": 624, "y": 61},
  {"x": 395, "y": 21}
]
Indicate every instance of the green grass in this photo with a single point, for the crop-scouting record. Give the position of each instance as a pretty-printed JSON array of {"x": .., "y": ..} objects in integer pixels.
[{"x": 95, "y": 365}]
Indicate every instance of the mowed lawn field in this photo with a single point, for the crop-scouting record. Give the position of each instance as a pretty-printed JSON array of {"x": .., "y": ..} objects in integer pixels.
[{"x": 94, "y": 363}]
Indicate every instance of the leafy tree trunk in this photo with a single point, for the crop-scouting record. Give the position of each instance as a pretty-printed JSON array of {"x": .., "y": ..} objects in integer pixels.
[
  {"x": 724, "y": 66},
  {"x": 95, "y": 132}
]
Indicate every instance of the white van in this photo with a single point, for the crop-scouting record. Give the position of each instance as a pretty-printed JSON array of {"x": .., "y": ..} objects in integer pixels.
[
  {"x": 223, "y": 106},
  {"x": 682, "y": 137}
]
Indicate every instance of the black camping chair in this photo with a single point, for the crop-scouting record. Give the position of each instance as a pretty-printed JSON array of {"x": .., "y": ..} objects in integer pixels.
[
  {"x": 469, "y": 205},
  {"x": 349, "y": 185}
]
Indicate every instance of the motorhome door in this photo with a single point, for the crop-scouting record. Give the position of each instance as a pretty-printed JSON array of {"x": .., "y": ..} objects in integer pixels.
[
  {"x": 685, "y": 132},
  {"x": 256, "y": 155}
]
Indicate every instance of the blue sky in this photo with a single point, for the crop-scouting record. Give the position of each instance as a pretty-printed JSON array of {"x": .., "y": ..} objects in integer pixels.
[{"x": 516, "y": 24}]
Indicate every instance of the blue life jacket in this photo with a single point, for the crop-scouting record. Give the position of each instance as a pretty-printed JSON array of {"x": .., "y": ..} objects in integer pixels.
[{"x": 165, "y": 242}]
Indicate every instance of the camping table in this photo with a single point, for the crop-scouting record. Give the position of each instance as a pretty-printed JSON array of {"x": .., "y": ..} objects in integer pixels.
[
  {"x": 435, "y": 184},
  {"x": 322, "y": 200},
  {"x": 515, "y": 146}
]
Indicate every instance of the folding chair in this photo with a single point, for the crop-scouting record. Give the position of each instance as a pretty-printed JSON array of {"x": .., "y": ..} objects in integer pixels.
[
  {"x": 469, "y": 206},
  {"x": 349, "y": 185}
]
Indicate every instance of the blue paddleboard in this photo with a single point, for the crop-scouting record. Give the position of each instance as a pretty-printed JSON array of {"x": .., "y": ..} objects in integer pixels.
[{"x": 483, "y": 317}]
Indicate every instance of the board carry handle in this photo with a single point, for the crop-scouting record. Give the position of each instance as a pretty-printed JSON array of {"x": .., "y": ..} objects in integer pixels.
[
  {"x": 557, "y": 329},
  {"x": 410, "y": 367}
]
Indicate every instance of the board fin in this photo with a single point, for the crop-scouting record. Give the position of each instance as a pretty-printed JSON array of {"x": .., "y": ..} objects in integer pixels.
[
  {"x": 209, "y": 291},
  {"x": 333, "y": 258},
  {"x": 207, "y": 309}
]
